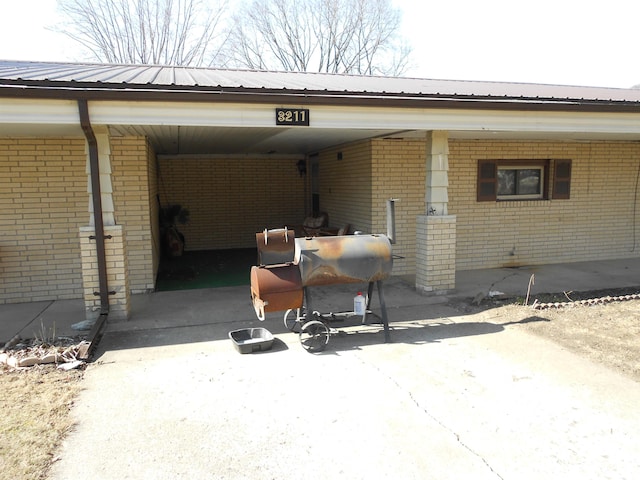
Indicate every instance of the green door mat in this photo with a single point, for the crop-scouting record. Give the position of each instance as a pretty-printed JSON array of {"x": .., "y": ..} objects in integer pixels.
[{"x": 206, "y": 269}]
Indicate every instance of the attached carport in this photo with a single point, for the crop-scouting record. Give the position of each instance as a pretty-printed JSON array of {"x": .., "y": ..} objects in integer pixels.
[{"x": 260, "y": 162}]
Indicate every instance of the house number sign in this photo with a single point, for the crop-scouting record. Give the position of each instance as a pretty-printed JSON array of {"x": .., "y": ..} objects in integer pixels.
[{"x": 292, "y": 116}]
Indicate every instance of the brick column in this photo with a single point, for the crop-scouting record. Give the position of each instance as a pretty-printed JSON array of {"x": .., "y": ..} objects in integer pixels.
[
  {"x": 436, "y": 253},
  {"x": 436, "y": 230},
  {"x": 117, "y": 278}
]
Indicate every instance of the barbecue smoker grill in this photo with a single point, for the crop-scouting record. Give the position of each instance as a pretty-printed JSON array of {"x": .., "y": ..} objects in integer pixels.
[{"x": 289, "y": 266}]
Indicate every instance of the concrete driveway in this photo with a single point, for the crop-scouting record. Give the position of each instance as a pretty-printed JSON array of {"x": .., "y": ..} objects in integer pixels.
[{"x": 452, "y": 397}]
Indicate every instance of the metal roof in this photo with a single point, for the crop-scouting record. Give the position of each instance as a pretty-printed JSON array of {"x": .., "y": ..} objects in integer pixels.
[{"x": 155, "y": 78}]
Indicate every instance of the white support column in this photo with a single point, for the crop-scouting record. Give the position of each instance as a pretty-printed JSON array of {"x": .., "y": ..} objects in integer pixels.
[
  {"x": 106, "y": 190},
  {"x": 437, "y": 158},
  {"x": 436, "y": 230}
]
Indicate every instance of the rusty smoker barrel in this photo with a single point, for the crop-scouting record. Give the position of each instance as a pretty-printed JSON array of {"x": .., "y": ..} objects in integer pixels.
[
  {"x": 345, "y": 259},
  {"x": 275, "y": 288}
]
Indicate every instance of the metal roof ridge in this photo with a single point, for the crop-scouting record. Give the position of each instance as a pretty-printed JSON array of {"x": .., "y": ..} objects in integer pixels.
[
  {"x": 174, "y": 78},
  {"x": 186, "y": 68}
]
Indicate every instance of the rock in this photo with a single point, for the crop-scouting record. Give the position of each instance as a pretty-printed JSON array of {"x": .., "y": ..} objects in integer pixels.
[
  {"x": 49, "y": 358},
  {"x": 70, "y": 365},
  {"x": 28, "y": 362},
  {"x": 84, "y": 325}
]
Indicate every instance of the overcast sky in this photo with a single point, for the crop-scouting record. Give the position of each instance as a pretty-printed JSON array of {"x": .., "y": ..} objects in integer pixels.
[{"x": 571, "y": 42}]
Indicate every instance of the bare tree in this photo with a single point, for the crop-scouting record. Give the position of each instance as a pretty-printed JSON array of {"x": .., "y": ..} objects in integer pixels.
[
  {"x": 168, "y": 32},
  {"x": 334, "y": 36}
]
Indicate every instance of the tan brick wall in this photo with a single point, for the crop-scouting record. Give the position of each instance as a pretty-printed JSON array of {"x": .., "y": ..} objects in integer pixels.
[
  {"x": 132, "y": 167},
  {"x": 43, "y": 193},
  {"x": 399, "y": 170},
  {"x": 345, "y": 185},
  {"x": 599, "y": 221},
  {"x": 230, "y": 200},
  {"x": 43, "y": 189},
  {"x": 355, "y": 190}
]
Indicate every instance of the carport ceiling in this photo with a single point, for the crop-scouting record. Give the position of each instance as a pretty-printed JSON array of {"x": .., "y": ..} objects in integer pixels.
[
  {"x": 189, "y": 140},
  {"x": 216, "y": 140}
]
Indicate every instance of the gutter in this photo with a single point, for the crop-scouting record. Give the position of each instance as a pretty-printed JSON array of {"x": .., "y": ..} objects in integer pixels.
[
  {"x": 89, "y": 91},
  {"x": 94, "y": 171}
]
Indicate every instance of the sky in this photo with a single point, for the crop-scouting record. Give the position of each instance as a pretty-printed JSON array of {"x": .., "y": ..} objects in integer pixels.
[{"x": 562, "y": 42}]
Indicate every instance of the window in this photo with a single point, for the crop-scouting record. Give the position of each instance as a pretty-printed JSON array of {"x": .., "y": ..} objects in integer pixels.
[
  {"x": 500, "y": 180},
  {"x": 520, "y": 182}
]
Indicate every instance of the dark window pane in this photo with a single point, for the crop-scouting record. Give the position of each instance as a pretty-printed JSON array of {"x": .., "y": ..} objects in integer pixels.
[
  {"x": 506, "y": 182},
  {"x": 528, "y": 181}
]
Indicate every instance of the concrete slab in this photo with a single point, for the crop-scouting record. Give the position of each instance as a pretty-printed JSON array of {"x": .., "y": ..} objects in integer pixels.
[
  {"x": 49, "y": 318},
  {"x": 565, "y": 277},
  {"x": 452, "y": 397},
  {"x": 193, "y": 307}
]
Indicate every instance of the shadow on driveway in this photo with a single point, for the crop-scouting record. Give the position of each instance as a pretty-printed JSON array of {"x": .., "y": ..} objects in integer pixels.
[
  {"x": 415, "y": 333},
  {"x": 344, "y": 337}
]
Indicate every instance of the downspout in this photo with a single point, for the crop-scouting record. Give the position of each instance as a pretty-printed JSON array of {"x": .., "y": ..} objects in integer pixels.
[{"x": 94, "y": 171}]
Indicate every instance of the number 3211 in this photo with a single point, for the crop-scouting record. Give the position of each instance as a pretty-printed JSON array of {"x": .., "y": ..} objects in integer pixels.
[{"x": 292, "y": 117}]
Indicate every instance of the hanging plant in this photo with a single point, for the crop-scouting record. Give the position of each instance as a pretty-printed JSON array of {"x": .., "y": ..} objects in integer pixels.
[{"x": 173, "y": 215}]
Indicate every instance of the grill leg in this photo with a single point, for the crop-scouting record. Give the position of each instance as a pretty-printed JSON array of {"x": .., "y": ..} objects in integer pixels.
[
  {"x": 366, "y": 308},
  {"x": 383, "y": 308},
  {"x": 369, "y": 294},
  {"x": 307, "y": 300}
]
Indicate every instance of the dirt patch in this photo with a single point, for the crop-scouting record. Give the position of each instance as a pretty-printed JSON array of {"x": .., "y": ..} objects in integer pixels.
[
  {"x": 35, "y": 418},
  {"x": 606, "y": 329}
]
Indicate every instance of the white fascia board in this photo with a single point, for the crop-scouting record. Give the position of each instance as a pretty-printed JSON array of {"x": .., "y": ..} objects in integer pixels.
[
  {"x": 38, "y": 112},
  {"x": 536, "y": 121},
  {"x": 478, "y": 120},
  {"x": 65, "y": 112},
  {"x": 184, "y": 114},
  {"x": 263, "y": 115}
]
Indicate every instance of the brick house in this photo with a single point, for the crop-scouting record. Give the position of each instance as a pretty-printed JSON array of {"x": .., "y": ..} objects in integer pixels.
[{"x": 486, "y": 174}]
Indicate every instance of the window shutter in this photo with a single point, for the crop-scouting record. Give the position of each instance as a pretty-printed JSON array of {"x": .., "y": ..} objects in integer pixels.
[
  {"x": 487, "y": 180},
  {"x": 562, "y": 180}
]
